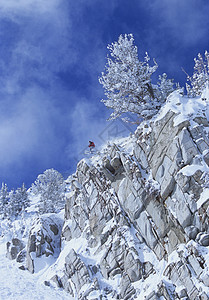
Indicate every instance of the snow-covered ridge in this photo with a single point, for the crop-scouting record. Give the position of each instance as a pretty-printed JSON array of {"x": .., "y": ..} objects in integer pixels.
[{"x": 136, "y": 215}]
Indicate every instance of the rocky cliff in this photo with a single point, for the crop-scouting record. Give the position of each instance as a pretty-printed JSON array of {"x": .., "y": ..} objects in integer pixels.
[{"x": 136, "y": 214}]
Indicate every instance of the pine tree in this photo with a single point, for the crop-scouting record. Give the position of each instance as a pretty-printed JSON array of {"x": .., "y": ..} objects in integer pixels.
[
  {"x": 199, "y": 79},
  {"x": 17, "y": 203},
  {"x": 24, "y": 197},
  {"x": 127, "y": 81},
  {"x": 50, "y": 186},
  {"x": 165, "y": 87},
  {"x": 12, "y": 206},
  {"x": 21, "y": 200},
  {"x": 4, "y": 199}
]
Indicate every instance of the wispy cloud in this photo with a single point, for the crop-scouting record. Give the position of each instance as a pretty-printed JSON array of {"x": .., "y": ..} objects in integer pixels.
[
  {"x": 47, "y": 75},
  {"x": 28, "y": 6},
  {"x": 27, "y": 131},
  {"x": 34, "y": 48}
]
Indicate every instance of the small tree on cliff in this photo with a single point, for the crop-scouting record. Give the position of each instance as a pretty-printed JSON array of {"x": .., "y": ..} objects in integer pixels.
[
  {"x": 50, "y": 186},
  {"x": 127, "y": 81},
  {"x": 200, "y": 78}
]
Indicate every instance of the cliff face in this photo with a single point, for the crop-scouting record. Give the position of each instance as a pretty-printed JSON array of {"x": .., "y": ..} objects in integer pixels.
[{"x": 136, "y": 215}]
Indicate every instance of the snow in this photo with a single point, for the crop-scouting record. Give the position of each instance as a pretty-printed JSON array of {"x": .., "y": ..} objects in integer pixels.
[
  {"x": 186, "y": 108},
  {"x": 125, "y": 144},
  {"x": 16, "y": 284},
  {"x": 203, "y": 198},
  {"x": 191, "y": 169}
]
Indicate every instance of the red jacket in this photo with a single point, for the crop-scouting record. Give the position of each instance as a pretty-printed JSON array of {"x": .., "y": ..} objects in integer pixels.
[{"x": 91, "y": 144}]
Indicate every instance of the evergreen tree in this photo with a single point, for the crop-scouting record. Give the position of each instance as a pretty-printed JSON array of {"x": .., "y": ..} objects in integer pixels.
[
  {"x": 199, "y": 79},
  {"x": 50, "y": 186},
  {"x": 165, "y": 87},
  {"x": 12, "y": 205},
  {"x": 4, "y": 199},
  {"x": 127, "y": 81},
  {"x": 21, "y": 201}
]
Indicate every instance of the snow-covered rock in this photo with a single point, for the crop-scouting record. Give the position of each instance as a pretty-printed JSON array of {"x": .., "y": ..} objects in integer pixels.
[
  {"x": 44, "y": 240},
  {"x": 14, "y": 248},
  {"x": 137, "y": 214}
]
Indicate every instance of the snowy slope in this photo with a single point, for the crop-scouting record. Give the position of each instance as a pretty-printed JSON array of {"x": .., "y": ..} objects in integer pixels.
[{"x": 16, "y": 284}]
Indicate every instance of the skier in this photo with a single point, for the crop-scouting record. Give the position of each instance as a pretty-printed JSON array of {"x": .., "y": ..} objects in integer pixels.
[{"x": 91, "y": 146}]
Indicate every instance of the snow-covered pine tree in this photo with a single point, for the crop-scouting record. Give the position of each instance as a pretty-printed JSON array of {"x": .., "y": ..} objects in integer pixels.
[
  {"x": 4, "y": 199},
  {"x": 21, "y": 199},
  {"x": 164, "y": 88},
  {"x": 199, "y": 79},
  {"x": 12, "y": 206},
  {"x": 50, "y": 186},
  {"x": 15, "y": 202},
  {"x": 127, "y": 81}
]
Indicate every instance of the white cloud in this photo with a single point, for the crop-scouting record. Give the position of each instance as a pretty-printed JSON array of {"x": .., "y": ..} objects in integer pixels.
[
  {"x": 27, "y": 130},
  {"x": 28, "y": 6}
]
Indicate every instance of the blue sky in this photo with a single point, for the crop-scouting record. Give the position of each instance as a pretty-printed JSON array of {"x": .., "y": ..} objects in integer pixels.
[{"x": 51, "y": 54}]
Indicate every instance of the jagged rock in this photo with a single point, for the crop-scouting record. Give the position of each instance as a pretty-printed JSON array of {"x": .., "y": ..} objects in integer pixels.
[
  {"x": 191, "y": 232},
  {"x": 178, "y": 206},
  {"x": 76, "y": 270},
  {"x": 203, "y": 239},
  {"x": 76, "y": 275},
  {"x": 144, "y": 226},
  {"x": 147, "y": 269},
  {"x": 201, "y": 120},
  {"x": 21, "y": 256},
  {"x": 126, "y": 289},
  {"x": 180, "y": 274},
  {"x": 141, "y": 156},
  {"x": 132, "y": 267},
  {"x": 204, "y": 296},
  {"x": 205, "y": 279},
  {"x": 116, "y": 162},
  {"x": 14, "y": 247},
  {"x": 196, "y": 266},
  {"x": 182, "y": 293},
  {"x": 107, "y": 165},
  {"x": 152, "y": 296},
  {"x": 187, "y": 145},
  {"x": 165, "y": 290},
  {"x": 44, "y": 239},
  {"x": 57, "y": 281},
  {"x": 206, "y": 157},
  {"x": 173, "y": 241},
  {"x": 66, "y": 233}
]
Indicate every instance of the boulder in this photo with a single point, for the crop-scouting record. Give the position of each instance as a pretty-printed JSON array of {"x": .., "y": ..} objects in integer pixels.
[
  {"x": 14, "y": 247},
  {"x": 44, "y": 239}
]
